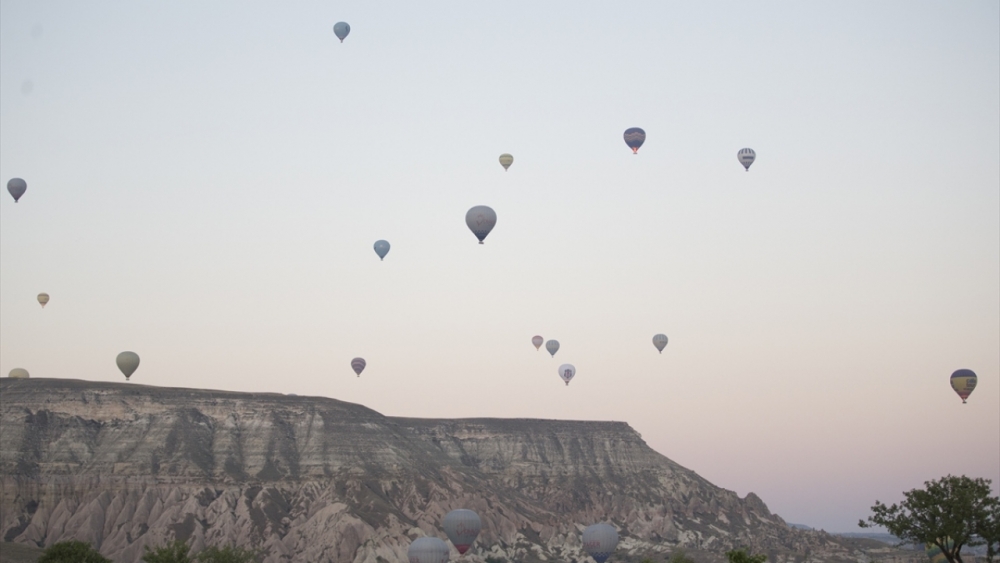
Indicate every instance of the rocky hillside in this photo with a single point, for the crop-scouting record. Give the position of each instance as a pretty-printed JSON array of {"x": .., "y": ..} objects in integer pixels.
[{"x": 314, "y": 480}]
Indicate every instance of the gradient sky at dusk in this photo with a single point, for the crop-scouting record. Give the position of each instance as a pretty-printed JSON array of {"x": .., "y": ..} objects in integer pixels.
[{"x": 206, "y": 181}]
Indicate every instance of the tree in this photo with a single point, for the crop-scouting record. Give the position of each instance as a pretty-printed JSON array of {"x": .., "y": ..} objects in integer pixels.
[
  {"x": 227, "y": 554},
  {"x": 959, "y": 509},
  {"x": 741, "y": 556},
  {"x": 679, "y": 556},
  {"x": 175, "y": 552},
  {"x": 72, "y": 552}
]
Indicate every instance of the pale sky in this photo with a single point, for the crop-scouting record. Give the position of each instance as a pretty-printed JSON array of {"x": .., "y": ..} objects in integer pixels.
[{"x": 206, "y": 181}]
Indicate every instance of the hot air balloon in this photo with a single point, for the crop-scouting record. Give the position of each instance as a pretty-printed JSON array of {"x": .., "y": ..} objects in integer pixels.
[
  {"x": 746, "y": 157},
  {"x": 341, "y": 29},
  {"x": 462, "y": 527},
  {"x": 17, "y": 187},
  {"x": 128, "y": 362},
  {"x": 634, "y": 138},
  {"x": 934, "y": 552},
  {"x": 481, "y": 220},
  {"x": 381, "y": 248},
  {"x": 506, "y": 160},
  {"x": 963, "y": 382},
  {"x": 537, "y": 341},
  {"x": 600, "y": 541},
  {"x": 43, "y": 298},
  {"x": 18, "y": 373},
  {"x": 552, "y": 346},
  {"x": 660, "y": 341},
  {"x": 566, "y": 372},
  {"x": 428, "y": 550},
  {"x": 358, "y": 365}
]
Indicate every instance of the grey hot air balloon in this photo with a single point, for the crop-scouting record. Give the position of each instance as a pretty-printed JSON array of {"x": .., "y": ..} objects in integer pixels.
[
  {"x": 17, "y": 187},
  {"x": 566, "y": 372},
  {"x": 358, "y": 365},
  {"x": 128, "y": 362},
  {"x": 746, "y": 158},
  {"x": 660, "y": 341},
  {"x": 481, "y": 220},
  {"x": 18, "y": 373},
  {"x": 552, "y": 346},
  {"x": 43, "y": 298},
  {"x": 428, "y": 550},
  {"x": 381, "y": 248},
  {"x": 506, "y": 160},
  {"x": 341, "y": 29},
  {"x": 462, "y": 527},
  {"x": 634, "y": 138},
  {"x": 600, "y": 541},
  {"x": 537, "y": 341}
]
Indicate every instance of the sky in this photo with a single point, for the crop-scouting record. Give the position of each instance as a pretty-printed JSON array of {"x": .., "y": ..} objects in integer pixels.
[{"x": 206, "y": 182}]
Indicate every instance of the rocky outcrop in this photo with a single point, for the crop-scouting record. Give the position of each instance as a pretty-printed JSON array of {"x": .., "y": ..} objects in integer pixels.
[{"x": 126, "y": 466}]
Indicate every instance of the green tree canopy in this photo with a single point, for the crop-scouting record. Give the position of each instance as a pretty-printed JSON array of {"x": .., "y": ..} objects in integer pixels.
[
  {"x": 741, "y": 556},
  {"x": 956, "y": 508},
  {"x": 175, "y": 552},
  {"x": 227, "y": 554},
  {"x": 72, "y": 552}
]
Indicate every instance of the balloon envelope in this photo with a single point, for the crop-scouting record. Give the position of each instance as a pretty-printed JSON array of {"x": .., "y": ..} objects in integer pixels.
[
  {"x": 128, "y": 362},
  {"x": 552, "y": 346},
  {"x": 17, "y": 187},
  {"x": 660, "y": 341},
  {"x": 506, "y": 160},
  {"x": 428, "y": 550},
  {"x": 566, "y": 372},
  {"x": 19, "y": 373},
  {"x": 963, "y": 381},
  {"x": 341, "y": 29},
  {"x": 481, "y": 220},
  {"x": 381, "y": 248},
  {"x": 462, "y": 527},
  {"x": 43, "y": 298},
  {"x": 600, "y": 541},
  {"x": 746, "y": 157},
  {"x": 634, "y": 138},
  {"x": 358, "y": 365},
  {"x": 537, "y": 341}
]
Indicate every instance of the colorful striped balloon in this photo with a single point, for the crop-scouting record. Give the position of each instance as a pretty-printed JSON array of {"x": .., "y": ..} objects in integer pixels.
[
  {"x": 963, "y": 381},
  {"x": 358, "y": 365}
]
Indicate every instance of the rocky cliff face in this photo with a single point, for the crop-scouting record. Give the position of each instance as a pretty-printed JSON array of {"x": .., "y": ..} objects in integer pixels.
[{"x": 312, "y": 479}]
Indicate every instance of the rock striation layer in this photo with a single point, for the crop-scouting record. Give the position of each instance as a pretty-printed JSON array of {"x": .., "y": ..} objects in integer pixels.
[{"x": 313, "y": 479}]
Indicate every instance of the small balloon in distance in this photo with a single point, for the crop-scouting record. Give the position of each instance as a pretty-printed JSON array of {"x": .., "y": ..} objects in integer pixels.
[{"x": 341, "y": 30}]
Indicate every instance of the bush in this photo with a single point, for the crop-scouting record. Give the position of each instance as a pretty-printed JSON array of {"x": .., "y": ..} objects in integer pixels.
[
  {"x": 176, "y": 552},
  {"x": 741, "y": 556},
  {"x": 227, "y": 554},
  {"x": 72, "y": 552},
  {"x": 680, "y": 556}
]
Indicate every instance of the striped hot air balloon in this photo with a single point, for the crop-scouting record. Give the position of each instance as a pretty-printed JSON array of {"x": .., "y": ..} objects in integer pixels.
[
  {"x": 963, "y": 381},
  {"x": 660, "y": 341},
  {"x": 634, "y": 138},
  {"x": 746, "y": 158},
  {"x": 358, "y": 365},
  {"x": 552, "y": 346}
]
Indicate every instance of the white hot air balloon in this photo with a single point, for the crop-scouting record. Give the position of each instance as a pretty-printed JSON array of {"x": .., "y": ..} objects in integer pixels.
[
  {"x": 18, "y": 373},
  {"x": 428, "y": 550},
  {"x": 481, "y": 220},
  {"x": 462, "y": 527},
  {"x": 566, "y": 372},
  {"x": 660, "y": 341},
  {"x": 552, "y": 346},
  {"x": 746, "y": 157},
  {"x": 600, "y": 541}
]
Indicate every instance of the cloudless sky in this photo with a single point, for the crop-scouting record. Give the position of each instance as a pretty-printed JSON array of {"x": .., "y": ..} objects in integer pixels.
[{"x": 206, "y": 181}]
